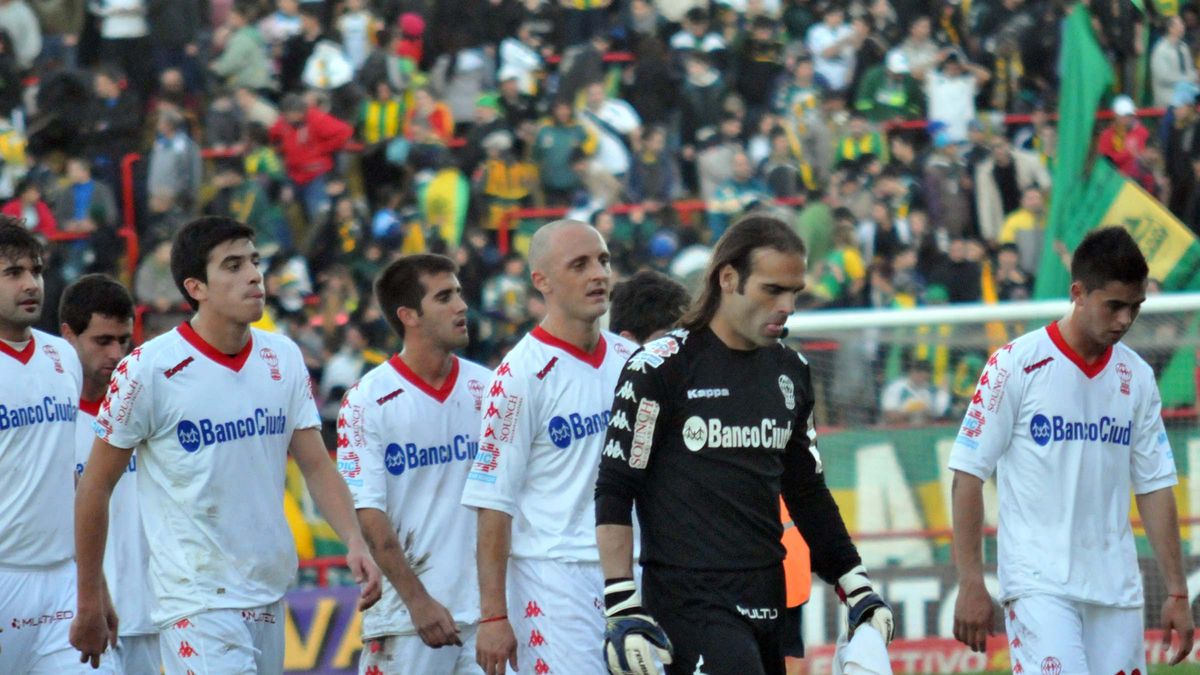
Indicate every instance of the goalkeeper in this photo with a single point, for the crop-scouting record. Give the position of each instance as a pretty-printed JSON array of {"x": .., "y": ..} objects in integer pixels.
[{"x": 710, "y": 424}]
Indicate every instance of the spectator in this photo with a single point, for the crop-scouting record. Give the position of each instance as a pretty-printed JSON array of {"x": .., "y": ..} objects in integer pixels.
[
  {"x": 516, "y": 106},
  {"x": 959, "y": 274},
  {"x": 1180, "y": 142},
  {"x": 223, "y": 123},
  {"x": 255, "y": 109},
  {"x": 432, "y": 113},
  {"x": 503, "y": 181},
  {"x": 920, "y": 52},
  {"x": 1120, "y": 27},
  {"x": 1125, "y": 138},
  {"x": 298, "y": 48},
  {"x": 61, "y": 23},
  {"x": 21, "y": 24},
  {"x": 556, "y": 141},
  {"x": 890, "y": 92},
  {"x": 913, "y": 399},
  {"x": 174, "y": 167},
  {"x": 87, "y": 206},
  {"x": 653, "y": 176},
  {"x": 279, "y": 26},
  {"x": 700, "y": 102},
  {"x": 123, "y": 38},
  {"x": 380, "y": 123},
  {"x": 308, "y": 139},
  {"x": 11, "y": 87},
  {"x": 832, "y": 44},
  {"x": 861, "y": 139},
  {"x": 842, "y": 273},
  {"x": 1012, "y": 282},
  {"x": 696, "y": 37},
  {"x": 1000, "y": 180},
  {"x": 951, "y": 89},
  {"x": 357, "y": 27},
  {"x": 648, "y": 83},
  {"x": 243, "y": 63},
  {"x": 881, "y": 236},
  {"x": 154, "y": 285},
  {"x": 505, "y": 298},
  {"x": 460, "y": 77},
  {"x": 1171, "y": 63},
  {"x": 487, "y": 120},
  {"x": 616, "y": 127},
  {"x": 800, "y": 99},
  {"x": 945, "y": 185},
  {"x": 1026, "y": 227},
  {"x": 758, "y": 64},
  {"x": 741, "y": 192},
  {"x": 28, "y": 205},
  {"x": 783, "y": 171},
  {"x": 173, "y": 31},
  {"x": 520, "y": 57},
  {"x": 714, "y": 161},
  {"x": 113, "y": 121}
]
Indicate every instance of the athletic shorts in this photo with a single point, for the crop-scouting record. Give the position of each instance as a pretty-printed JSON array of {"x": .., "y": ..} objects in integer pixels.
[
  {"x": 556, "y": 610},
  {"x": 36, "y": 610},
  {"x": 138, "y": 654},
  {"x": 720, "y": 623},
  {"x": 407, "y": 655},
  {"x": 1052, "y": 635},
  {"x": 225, "y": 642}
]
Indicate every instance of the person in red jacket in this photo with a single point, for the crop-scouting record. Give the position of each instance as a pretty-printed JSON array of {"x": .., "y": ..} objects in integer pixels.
[
  {"x": 28, "y": 204},
  {"x": 1125, "y": 139},
  {"x": 308, "y": 139}
]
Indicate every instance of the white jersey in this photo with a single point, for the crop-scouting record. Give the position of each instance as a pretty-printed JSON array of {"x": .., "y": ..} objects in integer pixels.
[
  {"x": 126, "y": 555},
  {"x": 1068, "y": 442},
  {"x": 212, "y": 434},
  {"x": 39, "y": 400},
  {"x": 405, "y": 448},
  {"x": 545, "y": 415}
]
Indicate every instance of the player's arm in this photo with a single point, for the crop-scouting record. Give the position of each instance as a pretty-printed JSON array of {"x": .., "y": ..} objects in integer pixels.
[
  {"x": 337, "y": 506},
  {"x": 495, "y": 643},
  {"x": 834, "y": 556},
  {"x": 982, "y": 439},
  {"x": 95, "y": 624},
  {"x": 1153, "y": 474},
  {"x": 632, "y": 638}
]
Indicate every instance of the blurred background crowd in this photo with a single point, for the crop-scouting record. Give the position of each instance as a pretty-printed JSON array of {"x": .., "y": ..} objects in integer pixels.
[{"x": 911, "y": 143}]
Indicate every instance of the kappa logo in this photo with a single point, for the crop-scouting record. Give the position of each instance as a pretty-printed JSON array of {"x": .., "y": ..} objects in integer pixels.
[
  {"x": 175, "y": 369},
  {"x": 504, "y": 369},
  {"x": 720, "y": 392},
  {"x": 699, "y": 664},
  {"x": 626, "y": 392},
  {"x": 613, "y": 450},
  {"x": 1034, "y": 366},
  {"x": 640, "y": 360},
  {"x": 541, "y": 374},
  {"x": 619, "y": 421},
  {"x": 389, "y": 396}
]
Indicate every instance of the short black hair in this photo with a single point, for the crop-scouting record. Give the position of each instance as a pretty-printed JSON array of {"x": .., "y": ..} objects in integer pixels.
[
  {"x": 1108, "y": 254},
  {"x": 193, "y": 244},
  {"x": 646, "y": 303},
  {"x": 94, "y": 294},
  {"x": 16, "y": 241},
  {"x": 399, "y": 284}
]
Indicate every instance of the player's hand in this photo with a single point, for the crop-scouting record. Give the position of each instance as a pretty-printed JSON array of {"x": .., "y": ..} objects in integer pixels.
[
  {"x": 1177, "y": 616},
  {"x": 92, "y": 631},
  {"x": 632, "y": 638},
  {"x": 495, "y": 644},
  {"x": 366, "y": 573},
  {"x": 433, "y": 622},
  {"x": 974, "y": 615},
  {"x": 865, "y": 605}
]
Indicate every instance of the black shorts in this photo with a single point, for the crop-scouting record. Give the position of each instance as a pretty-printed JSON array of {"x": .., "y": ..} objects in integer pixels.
[{"x": 720, "y": 623}]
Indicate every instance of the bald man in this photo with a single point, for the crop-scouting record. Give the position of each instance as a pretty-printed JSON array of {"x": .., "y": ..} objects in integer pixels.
[{"x": 545, "y": 415}]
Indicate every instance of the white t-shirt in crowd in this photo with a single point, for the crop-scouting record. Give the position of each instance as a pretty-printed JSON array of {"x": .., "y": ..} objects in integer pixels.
[
  {"x": 545, "y": 414},
  {"x": 212, "y": 433},
  {"x": 405, "y": 448},
  {"x": 1068, "y": 442},
  {"x": 126, "y": 554},
  {"x": 39, "y": 402}
]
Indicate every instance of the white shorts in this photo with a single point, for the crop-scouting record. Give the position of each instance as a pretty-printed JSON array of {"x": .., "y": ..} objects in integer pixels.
[
  {"x": 138, "y": 654},
  {"x": 1056, "y": 636},
  {"x": 557, "y": 613},
  {"x": 225, "y": 642},
  {"x": 407, "y": 655},
  {"x": 36, "y": 610}
]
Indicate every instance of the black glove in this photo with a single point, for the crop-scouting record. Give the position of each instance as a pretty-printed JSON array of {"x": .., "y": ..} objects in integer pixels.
[{"x": 632, "y": 639}]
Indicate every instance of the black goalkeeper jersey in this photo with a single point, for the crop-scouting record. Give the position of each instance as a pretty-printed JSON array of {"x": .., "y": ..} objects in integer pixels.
[{"x": 704, "y": 439}]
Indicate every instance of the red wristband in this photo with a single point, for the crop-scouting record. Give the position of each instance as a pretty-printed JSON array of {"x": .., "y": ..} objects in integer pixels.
[
  {"x": 1177, "y": 595},
  {"x": 502, "y": 617}
]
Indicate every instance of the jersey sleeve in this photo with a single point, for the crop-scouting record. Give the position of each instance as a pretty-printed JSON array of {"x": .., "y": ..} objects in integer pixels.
[
  {"x": 303, "y": 406},
  {"x": 1153, "y": 463},
  {"x": 630, "y": 438},
  {"x": 807, "y": 496},
  {"x": 360, "y": 452},
  {"x": 505, "y": 440},
  {"x": 991, "y": 416},
  {"x": 126, "y": 415}
]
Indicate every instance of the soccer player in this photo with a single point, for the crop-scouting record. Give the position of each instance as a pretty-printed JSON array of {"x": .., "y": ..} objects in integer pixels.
[
  {"x": 544, "y": 418},
  {"x": 407, "y": 435},
  {"x": 1069, "y": 419},
  {"x": 719, "y": 424},
  {"x": 214, "y": 409},
  {"x": 96, "y": 317},
  {"x": 646, "y": 305},
  {"x": 40, "y": 381}
]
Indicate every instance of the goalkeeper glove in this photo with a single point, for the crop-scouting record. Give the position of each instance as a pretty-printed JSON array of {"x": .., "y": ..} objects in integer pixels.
[
  {"x": 865, "y": 605},
  {"x": 632, "y": 638}
]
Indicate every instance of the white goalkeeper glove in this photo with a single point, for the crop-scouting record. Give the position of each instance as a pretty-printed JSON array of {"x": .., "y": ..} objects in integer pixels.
[
  {"x": 632, "y": 639},
  {"x": 865, "y": 605}
]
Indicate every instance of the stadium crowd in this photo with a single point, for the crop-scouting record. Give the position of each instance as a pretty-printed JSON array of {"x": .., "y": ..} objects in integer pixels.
[{"x": 347, "y": 132}]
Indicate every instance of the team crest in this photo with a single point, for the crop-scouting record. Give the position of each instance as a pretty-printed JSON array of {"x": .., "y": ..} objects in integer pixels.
[
  {"x": 789, "y": 391},
  {"x": 476, "y": 389},
  {"x": 52, "y": 354},
  {"x": 1126, "y": 376},
  {"x": 272, "y": 361}
]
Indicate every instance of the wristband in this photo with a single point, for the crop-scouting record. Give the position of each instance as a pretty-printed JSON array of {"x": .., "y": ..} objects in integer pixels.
[
  {"x": 1177, "y": 595},
  {"x": 494, "y": 619}
]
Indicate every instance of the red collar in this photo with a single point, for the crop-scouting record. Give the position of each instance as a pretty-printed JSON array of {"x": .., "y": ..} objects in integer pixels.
[
  {"x": 233, "y": 363},
  {"x": 439, "y": 395},
  {"x": 90, "y": 407},
  {"x": 593, "y": 359},
  {"x": 1059, "y": 341},
  {"x": 23, "y": 356}
]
